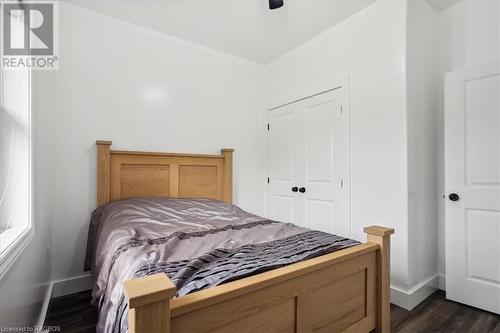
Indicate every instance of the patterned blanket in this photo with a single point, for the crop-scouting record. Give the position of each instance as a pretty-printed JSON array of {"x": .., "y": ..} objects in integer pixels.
[{"x": 198, "y": 243}]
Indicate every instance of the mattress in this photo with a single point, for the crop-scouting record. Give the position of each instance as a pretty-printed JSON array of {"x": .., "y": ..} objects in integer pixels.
[{"x": 198, "y": 243}]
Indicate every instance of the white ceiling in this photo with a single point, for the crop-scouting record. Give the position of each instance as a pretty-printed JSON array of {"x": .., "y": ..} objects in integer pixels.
[
  {"x": 440, "y": 5},
  {"x": 244, "y": 28}
]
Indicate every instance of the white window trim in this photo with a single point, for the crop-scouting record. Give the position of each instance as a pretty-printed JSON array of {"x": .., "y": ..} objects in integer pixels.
[
  {"x": 15, "y": 248},
  {"x": 18, "y": 239}
]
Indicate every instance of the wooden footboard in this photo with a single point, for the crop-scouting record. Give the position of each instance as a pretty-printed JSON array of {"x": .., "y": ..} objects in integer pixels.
[{"x": 347, "y": 290}]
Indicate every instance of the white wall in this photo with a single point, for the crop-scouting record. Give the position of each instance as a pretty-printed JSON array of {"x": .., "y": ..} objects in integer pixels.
[
  {"x": 469, "y": 34},
  {"x": 422, "y": 94},
  {"x": 370, "y": 47},
  {"x": 144, "y": 91}
]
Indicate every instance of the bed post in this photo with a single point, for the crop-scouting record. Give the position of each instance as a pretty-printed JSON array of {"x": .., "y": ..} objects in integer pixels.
[
  {"x": 149, "y": 303},
  {"x": 228, "y": 174},
  {"x": 103, "y": 171},
  {"x": 382, "y": 237}
]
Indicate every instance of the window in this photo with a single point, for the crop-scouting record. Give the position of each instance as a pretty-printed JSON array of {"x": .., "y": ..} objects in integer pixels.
[{"x": 15, "y": 164}]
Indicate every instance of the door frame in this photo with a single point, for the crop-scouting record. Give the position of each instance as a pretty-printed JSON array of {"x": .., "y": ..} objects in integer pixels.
[{"x": 337, "y": 82}]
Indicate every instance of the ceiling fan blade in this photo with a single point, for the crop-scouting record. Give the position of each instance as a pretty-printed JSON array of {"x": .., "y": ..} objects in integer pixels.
[{"x": 273, "y": 4}]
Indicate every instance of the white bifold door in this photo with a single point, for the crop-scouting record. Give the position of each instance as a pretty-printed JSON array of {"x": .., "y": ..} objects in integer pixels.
[
  {"x": 472, "y": 182},
  {"x": 309, "y": 163}
]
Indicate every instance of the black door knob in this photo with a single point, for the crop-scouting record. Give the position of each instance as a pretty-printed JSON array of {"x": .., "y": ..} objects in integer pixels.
[
  {"x": 302, "y": 190},
  {"x": 295, "y": 189},
  {"x": 454, "y": 197}
]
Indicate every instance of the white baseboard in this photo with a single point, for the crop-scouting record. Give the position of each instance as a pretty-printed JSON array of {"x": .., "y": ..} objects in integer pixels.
[
  {"x": 45, "y": 306},
  {"x": 408, "y": 299},
  {"x": 72, "y": 285},
  {"x": 442, "y": 281},
  {"x": 61, "y": 288}
]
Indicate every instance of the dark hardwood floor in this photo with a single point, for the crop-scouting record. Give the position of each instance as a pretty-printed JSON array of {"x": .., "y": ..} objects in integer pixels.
[
  {"x": 436, "y": 314},
  {"x": 75, "y": 315}
]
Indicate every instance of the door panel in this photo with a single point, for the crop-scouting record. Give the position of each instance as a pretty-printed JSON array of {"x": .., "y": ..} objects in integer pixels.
[
  {"x": 482, "y": 115},
  {"x": 472, "y": 170},
  {"x": 283, "y": 207},
  {"x": 283, "y": 146},
  {"x": 326, "y": 163},
  {"x": 319, "y": 135},
  {"x": 282, "y": 201},
  {"x": 320, "y": 215},
  {"x": 483, "y": 262}
]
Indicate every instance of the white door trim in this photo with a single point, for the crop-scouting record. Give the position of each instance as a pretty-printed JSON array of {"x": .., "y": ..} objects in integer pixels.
[{"x": 299, "y": 94}]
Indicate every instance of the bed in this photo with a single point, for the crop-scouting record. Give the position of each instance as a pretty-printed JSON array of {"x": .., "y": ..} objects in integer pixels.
[{"x": 170, "y": 253}]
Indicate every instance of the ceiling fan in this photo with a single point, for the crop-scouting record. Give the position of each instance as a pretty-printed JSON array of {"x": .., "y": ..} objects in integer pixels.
[{"x": 273, "y": 4}]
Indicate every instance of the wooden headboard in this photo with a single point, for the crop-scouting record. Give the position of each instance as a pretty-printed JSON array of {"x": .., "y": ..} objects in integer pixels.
[{"x": 125, "y": 174}]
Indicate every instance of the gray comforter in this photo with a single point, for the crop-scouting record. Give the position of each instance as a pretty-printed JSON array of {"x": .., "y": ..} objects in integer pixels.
[{"x": 198, "y": 243}]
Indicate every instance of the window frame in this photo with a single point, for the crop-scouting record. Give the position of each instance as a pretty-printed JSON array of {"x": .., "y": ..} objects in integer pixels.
[{"x": 18, "y": 239}]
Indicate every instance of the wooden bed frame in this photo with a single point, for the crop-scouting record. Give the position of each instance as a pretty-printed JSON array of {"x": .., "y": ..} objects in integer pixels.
[{"x": 347, "y": 290}]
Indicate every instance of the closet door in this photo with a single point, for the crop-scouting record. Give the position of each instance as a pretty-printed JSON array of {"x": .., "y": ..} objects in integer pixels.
[
  {"x": 309, "y": 169},
  {"x": 284, "y": 168},
  {"x": 326, "y": 163}
]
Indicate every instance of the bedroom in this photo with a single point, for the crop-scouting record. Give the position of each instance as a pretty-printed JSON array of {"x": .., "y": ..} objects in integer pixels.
[{"x": 194, "y": 77}]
